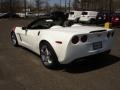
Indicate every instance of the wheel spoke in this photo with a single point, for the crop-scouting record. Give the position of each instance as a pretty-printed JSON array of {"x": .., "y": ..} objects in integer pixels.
[
  {"x": 46, "y": 55},
  {"x": 42, "y": 52},
  {"x": 13, "y": 39}
]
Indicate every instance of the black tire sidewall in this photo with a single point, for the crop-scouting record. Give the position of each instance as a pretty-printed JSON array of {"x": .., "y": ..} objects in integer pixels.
[
  {"x": 16, "y": 44},
  {"x": 92, "y": 21}
]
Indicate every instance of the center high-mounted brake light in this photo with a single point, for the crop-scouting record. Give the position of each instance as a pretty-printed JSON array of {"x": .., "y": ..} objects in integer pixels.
[{"x": 117, "y": 19}]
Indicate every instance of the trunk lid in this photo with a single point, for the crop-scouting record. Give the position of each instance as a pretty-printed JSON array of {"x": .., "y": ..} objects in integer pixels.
[{"x": 79, "y": 29}]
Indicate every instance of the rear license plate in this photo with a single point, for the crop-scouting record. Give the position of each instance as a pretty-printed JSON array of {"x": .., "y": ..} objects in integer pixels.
[{"x": 97, "y": 45}]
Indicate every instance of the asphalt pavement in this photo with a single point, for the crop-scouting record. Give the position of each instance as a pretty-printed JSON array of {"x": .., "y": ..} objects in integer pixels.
[{"x": 20, "y": 69}]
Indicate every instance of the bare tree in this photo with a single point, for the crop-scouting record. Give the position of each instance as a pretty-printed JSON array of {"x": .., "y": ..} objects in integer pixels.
[
  {"x": 38, "y": 5},
  {"x": 65, "y": 5},
  {"x": 76, "y": 5},
  {"x": 117, "y": 5},
  {"x": 56, "y": 7},
  {"x": 25, "y": 7},
  {"x": 47, "y": 6},
  {"x": 10, "y": 5},
  {"x": 5, "y": 5}
]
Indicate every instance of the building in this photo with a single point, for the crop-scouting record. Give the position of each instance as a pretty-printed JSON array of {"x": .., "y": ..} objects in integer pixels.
[{"x": 97, "y": 5}]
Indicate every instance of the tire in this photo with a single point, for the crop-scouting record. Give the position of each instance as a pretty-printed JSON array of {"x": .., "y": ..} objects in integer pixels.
[
  {"x": 48, "y": 56},
  {"x": 77, "y": 20},
  {"x": 92, "y": 21},
  {"x": 14, "y": 39}
]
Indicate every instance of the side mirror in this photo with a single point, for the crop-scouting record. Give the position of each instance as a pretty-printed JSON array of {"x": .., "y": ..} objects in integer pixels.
[{"x": 24, "y": 28}]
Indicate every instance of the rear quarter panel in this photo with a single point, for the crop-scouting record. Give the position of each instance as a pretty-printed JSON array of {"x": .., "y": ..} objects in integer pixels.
[{"x": 51, "y": 37}]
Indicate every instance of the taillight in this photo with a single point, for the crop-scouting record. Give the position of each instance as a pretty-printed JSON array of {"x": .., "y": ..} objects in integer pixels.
[
  {"x": 84, "y": 38},
  {"x": 75, "y": 39},
  {"x": 117, "y": 19}
]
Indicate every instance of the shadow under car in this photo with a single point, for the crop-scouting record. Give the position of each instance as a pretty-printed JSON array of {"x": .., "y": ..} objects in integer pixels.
[{"x": 91, "y": 63}]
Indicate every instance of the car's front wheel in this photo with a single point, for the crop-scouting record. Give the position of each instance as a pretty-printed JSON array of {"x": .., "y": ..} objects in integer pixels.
[
  {"x": 77, "y": 20},
  {"x": 14, "y": 39},
  {"x": 48, "y": 56}
]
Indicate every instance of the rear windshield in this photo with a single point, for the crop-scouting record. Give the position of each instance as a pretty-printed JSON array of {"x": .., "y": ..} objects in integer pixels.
[
  {"x": 116, "y": 14},
  {"x": 71, "y": 13},
  {"x": 84, "y": 13}
]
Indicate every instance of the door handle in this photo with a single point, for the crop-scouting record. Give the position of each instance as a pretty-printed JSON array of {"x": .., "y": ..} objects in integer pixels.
[{"x": 38, "y": 33}]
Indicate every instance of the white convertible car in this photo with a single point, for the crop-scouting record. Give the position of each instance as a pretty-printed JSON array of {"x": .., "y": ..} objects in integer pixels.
[{"x": 62, "y": 43}]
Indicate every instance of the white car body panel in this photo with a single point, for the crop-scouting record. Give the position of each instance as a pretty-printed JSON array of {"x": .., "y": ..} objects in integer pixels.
[
  {"x": 67, "y": 51},
  {"x": 28, "y": 14},
  {"x": 73, "y": 15},
  {"x": 90, "y": 15}
]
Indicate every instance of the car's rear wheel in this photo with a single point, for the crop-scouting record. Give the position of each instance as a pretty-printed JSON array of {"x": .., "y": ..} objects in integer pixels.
[
  {"x": 91, "y": 21},
  {"x": 48, "y": 56},
  {"x": 14, "y": 39}
]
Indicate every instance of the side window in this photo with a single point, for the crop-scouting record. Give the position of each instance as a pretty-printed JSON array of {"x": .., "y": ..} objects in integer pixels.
[
  {"x": 37, "y": 25},
  {"x": 84, "y": 13},
  {"x": 71, "y": 13},
  {"x": 41, "y": 24}
]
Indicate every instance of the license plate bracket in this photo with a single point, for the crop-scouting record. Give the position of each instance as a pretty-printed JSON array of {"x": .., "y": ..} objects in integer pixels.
[{"x": 97, "y": 45}]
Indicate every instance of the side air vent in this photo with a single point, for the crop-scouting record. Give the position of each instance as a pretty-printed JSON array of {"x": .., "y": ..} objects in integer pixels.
[{"x": 97, "y": 31}]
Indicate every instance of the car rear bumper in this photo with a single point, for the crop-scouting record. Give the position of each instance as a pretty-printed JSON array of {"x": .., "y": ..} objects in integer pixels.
[
  {"x": 95, "y": 55},
  {"x": 80, "y": 51},
  {"x": 116, "y": 23},
  {"x": 100, "y": 21},
  {"x": 84, "y": 19},
  {"x": 71, "y": 18}
]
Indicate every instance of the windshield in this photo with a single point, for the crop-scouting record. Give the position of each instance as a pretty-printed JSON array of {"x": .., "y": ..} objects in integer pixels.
[
  {"x": 116, "y": 14},
  {"x": 84, "y": 13},
  {"x": 71, "y": 13},
  {"x": 41, "y": 24}
]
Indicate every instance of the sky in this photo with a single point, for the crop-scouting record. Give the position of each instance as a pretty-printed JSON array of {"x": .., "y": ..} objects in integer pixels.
[
  {"x": 52, "y": 2},
  {"x": 58, "y": 2}
]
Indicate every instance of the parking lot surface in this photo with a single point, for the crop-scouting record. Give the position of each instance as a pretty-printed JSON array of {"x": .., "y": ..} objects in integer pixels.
[{"x": 21, "y": 69}]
